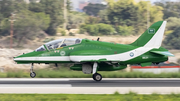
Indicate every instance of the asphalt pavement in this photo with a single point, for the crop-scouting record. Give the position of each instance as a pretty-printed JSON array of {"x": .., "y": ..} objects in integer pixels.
[
  {"x": 89, "y": 86},
  {"x": 110, "y": 82}
]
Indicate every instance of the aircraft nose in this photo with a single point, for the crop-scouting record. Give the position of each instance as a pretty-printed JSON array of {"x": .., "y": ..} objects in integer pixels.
[
  {"x": 15, "y": 59},
  {"x": 18, "y": 58}
]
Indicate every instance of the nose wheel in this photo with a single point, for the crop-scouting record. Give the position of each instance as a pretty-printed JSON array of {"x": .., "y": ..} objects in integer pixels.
[
  {"x": 32, "y": 74},
  {"x": 97, "y": 77}
]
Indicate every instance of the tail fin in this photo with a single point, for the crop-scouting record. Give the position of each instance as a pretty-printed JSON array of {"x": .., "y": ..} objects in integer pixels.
[{"x": 153, "y": 36}]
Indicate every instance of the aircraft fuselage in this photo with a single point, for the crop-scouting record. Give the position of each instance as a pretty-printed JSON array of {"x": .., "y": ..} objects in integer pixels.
[{"x": 93, "y": 50}]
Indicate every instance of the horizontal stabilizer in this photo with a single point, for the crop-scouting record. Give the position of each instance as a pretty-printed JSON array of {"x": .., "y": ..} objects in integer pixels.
[{"x": 165, "y": 53}]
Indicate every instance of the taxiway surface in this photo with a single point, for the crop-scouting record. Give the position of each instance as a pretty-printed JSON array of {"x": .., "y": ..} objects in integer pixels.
[
  {"x": 88, "y": 82},
  {"x": 88, "y": 86}
]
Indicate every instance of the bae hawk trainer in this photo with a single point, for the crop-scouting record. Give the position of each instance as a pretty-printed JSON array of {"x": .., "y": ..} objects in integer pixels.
[{"x": 91, "y": 56}]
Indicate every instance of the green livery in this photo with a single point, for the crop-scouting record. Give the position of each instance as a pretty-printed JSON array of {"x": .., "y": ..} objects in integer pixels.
[{"x": 91, "y": 56}]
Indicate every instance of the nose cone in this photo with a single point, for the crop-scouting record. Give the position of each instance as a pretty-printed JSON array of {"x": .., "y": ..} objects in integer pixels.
[
  {"x": 16, "y": 59},
  {"x": 19, "y": 58},
  {"x": 24, "y": 57}
]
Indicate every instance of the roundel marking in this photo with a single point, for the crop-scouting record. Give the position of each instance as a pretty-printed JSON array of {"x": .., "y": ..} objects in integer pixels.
[
  {"x": 62, "y": 53},
  {"x": 131, "y": 54}
]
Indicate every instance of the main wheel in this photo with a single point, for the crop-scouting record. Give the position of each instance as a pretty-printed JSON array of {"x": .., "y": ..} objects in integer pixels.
[
  {"x": 33, "y": 74},
  {"x": 97, "y": 77}
]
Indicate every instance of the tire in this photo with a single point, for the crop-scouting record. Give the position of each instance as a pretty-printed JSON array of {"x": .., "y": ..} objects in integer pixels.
[
  {"x": 33, "y": 74},
  {"x": 93, "y": 77},
  {"x": 97, "y": 77}
]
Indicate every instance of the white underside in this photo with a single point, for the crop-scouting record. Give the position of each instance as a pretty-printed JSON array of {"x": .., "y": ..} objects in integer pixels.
[{"x": 50, "y": 58}]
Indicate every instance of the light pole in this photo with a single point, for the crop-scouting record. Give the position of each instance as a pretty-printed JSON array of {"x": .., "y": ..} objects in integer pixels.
[
  {"x": 148, "y": 14},
  {"x": 12, "y": 29},
  {"x": 65, "y": 14}
]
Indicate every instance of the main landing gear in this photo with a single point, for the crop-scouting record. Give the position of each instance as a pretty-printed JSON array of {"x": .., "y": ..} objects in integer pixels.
[
  {"x": 96, "y": 76},
  {"x": 32, "y": 74}
]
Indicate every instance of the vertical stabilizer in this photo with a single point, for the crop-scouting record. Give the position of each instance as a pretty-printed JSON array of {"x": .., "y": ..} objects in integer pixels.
[{"x": 152, "y": 37}]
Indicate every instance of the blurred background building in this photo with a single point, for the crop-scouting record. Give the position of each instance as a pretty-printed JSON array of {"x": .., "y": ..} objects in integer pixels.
[
  {"x": 78, "y": 5},
  {"x": 28, "y": 1}
]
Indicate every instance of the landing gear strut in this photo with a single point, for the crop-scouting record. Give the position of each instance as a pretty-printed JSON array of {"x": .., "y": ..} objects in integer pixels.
[
  {"x": 32, "y": 74},
  {"x": 96, "y": 76}
]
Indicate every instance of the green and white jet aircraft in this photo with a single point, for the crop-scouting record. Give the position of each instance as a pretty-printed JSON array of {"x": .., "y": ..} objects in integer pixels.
[{"x": 91, "y": 56}]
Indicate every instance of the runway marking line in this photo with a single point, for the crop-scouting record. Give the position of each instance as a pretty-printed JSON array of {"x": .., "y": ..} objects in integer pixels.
[{"x": 35, "y": 85}]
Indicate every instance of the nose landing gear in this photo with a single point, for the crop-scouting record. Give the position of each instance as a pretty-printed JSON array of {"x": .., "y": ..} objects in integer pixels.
[{"x": 32, "y": 74}]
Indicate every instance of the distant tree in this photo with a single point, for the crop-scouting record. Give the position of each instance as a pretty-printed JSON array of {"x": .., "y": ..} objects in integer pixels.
[
  {"x": 6, "y": 8},
  {"x": 1, "y": 18},
  {"x": 92, "y": 29},
  {"x": 103, "y": 14},
  {"x": 173, "y": 23},
  {"x": 124, "y": 30},
  {"x": 98, "y": 29},
  {"x": 155, "y": 14},
  {"x": 130, "y": 13},
  {"x": 93, "y": 9},
  {"x": 172, "y": 40},
  {"x": 11, "y": 6},
  {"x": 55, "y": 9},
  {"x": 75, "y": 19},
  {"x": 171, "y": 9},
  {"x": 36, "y": 7},
  {"x": 92, "y": 20},
  {"x": 105, "y": 29},
  {"x": 27, "y": 25},
  {"x": 122, "y": 12},
  {"x": 68, "y": 5}
]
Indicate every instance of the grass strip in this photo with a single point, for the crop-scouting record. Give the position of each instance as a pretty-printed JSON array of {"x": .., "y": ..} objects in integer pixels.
[
  {"x": 65, "y": 73},
  {"x": 89, "y": 97}
]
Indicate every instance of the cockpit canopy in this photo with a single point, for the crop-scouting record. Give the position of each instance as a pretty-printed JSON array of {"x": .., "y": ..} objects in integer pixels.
[{"x": 59, "y": 43}]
